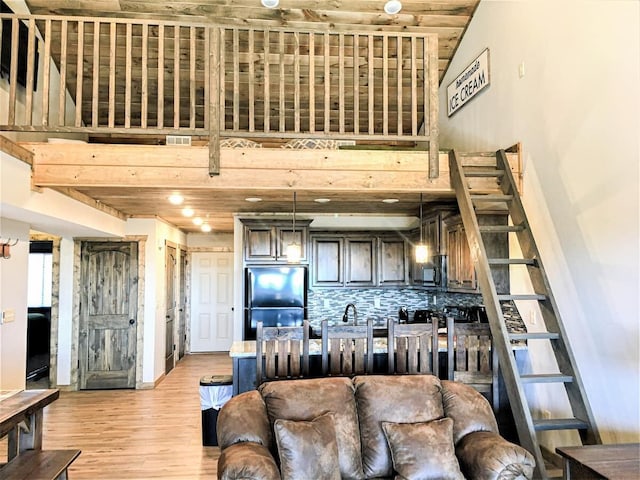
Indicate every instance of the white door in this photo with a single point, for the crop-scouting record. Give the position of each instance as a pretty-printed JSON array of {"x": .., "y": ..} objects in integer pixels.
[{"x": 211, "y": 301}]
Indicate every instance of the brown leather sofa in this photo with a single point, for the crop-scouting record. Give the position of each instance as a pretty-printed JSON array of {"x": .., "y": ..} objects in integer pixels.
[{"x": 371, "y": 426}]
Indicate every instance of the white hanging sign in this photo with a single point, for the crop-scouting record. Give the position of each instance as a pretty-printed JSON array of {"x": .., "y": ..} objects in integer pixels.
[{"x": 469, "y": 83}]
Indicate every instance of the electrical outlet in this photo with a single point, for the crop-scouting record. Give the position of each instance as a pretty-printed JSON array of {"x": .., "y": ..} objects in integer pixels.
[{"x": 376, "y": 302}]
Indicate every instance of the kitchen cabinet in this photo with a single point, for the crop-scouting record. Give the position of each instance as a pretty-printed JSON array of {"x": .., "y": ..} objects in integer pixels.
[
  {"x": 393, "y": 261},
  {"x": 266, "y": 241},
  {"x": 460, "y": 268},
  {"x": 328, "y": 261},
  {"x": 359, "y": 260},
  {"x": 461, "y": 273}
]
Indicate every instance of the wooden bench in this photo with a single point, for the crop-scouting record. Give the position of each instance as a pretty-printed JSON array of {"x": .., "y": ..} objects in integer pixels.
[{"x": 39, "y": 465}]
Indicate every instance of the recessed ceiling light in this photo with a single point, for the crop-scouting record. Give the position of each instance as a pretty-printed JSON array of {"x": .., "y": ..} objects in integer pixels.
[
  {"x": 206, "y": 228},
  {"x": 390, "y": 200},
  {"x": 253, "y": 199},
  {"x": 197, "y": 221},
  {"x": 322, "y": 200},
  {"x": 176, "y": 199},
  {"x": 392, "y": 7},
  {"x": 187, "y": 212},
  {"x": 270, "y": 3}
]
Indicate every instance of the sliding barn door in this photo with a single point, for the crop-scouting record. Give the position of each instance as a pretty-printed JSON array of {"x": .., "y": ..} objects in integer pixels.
[{"x": 108, "y": 308}]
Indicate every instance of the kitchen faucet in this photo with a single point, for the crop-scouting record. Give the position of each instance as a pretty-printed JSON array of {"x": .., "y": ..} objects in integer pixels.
[{"x": 345, "y": 317}]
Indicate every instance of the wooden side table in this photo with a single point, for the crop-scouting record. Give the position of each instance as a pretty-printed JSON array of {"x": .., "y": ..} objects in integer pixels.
[{"x": 613, "y": 462}]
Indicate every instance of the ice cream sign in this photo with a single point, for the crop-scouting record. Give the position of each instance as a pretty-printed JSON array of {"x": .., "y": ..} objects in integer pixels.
[{"x": 469, "y": 83}]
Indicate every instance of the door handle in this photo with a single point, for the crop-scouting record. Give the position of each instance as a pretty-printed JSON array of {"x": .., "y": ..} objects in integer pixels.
[{"x": 131, "y": 321}]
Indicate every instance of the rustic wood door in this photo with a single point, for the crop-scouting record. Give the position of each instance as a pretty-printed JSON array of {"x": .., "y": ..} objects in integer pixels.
[
  {"x": 182, "y": 305},
  {"x": 108, "y": 315},
  {"x": 170, "y": 275}
]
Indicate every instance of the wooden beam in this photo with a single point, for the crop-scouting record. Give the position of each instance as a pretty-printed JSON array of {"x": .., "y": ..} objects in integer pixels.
[
  {"x": 214, "y": 102},
  {"x": 11, "y": 148},
  {"x": 87, "y": 200}
]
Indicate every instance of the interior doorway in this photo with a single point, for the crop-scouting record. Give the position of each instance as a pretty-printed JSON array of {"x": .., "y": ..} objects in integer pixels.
[
  {"x": 40, "y": 295},
  {"x": 211, "y": 301},
  {"x": 171, "y": 262}
]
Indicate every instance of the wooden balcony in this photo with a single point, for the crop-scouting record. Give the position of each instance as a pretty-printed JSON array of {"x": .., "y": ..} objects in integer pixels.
[{"x": 137, "y": 77}]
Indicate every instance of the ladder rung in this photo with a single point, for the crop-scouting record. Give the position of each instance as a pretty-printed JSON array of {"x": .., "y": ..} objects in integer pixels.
[
  {"x": 511, "y": 261},
  {"x": 500, "y": 228},
  {"x": 560, "y": 424},
  {"x": 522, "y": 297},
  {"x": 484, "y": 173},
  {"x": 534, "y": 336},
  {"x": 546, "y": 378},
  {"x": 491, "y": 197}
]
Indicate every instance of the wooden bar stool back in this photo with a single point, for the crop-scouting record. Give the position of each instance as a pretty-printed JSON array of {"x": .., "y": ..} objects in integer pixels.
[
  {"x": 471, "y": 358},
  {"x": 413, "y": 348},
  {"x": 347, "y": 350},
  {"x": 282, "y": 353}
]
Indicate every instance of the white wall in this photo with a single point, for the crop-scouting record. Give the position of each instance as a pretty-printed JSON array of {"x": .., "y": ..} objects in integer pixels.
[
  {"x": 13, "y": 298},
  {"x": 576, "y": 112},
  {"x": 157, "y": 233}
]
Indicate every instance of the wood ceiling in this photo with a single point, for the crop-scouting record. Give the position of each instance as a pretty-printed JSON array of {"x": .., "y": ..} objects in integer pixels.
[{"x": 446, "y": 18}]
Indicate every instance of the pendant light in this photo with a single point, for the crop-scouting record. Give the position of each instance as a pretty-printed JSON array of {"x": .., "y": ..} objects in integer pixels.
[
  {"x": 294, "y": 251},
  {"x": 421, "y": 250}
]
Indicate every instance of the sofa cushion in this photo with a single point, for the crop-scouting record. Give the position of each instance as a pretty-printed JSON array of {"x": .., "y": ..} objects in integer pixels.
[
  {"x": 308, "y": 449},
  {"x": 423, "y": 451},
  {"x": 310, "y": 398},
  {"x": 396, "y": 399}
]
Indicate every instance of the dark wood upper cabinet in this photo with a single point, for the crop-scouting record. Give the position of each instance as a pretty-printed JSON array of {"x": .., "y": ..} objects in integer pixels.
[
  {"x": 361, "y": 261},
  {"x": 393, "y": 261},
  {"x": 328, "y": 261},
  {"x": 266, "y": 241}
]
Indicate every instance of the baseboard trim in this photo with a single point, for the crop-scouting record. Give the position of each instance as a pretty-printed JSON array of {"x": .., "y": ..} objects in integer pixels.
[{"x": 151, "y": 385}]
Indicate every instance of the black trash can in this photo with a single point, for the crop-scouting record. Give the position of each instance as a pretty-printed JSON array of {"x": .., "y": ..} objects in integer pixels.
[{"x": 215, "y": 391}]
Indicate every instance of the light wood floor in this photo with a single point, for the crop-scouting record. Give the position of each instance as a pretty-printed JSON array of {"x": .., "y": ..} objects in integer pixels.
[{"x": 138, "y": 434}]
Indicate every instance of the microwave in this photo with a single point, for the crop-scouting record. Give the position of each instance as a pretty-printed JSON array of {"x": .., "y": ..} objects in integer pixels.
[{"x": 433, "y": 273}]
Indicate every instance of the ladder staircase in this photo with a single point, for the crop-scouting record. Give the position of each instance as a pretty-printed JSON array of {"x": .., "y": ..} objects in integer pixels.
[{"x": 488, "y": 187}]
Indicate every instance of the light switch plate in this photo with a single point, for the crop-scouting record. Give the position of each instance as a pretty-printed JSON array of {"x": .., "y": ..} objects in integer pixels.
[{"x": 8, "y": 316}]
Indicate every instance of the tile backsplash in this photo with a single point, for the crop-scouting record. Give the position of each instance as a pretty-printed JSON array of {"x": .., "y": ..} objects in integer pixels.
[{"x": 329, "y": 303}]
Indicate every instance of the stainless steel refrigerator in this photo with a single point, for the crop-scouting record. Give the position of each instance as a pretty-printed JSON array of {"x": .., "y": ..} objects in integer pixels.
[{"x": 275, "y": 296}]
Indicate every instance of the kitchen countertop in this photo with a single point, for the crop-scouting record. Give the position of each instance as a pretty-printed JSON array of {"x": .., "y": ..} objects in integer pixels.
[{"x": 247, "y": 348}]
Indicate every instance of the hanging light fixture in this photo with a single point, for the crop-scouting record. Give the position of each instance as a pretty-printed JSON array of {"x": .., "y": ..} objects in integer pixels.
[
  {"x": 421, "y": 250},
  {"x": 294, "y": 250}
]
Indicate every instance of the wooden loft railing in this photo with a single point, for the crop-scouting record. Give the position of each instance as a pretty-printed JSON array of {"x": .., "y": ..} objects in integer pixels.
[{"x": 149, "y": 77}]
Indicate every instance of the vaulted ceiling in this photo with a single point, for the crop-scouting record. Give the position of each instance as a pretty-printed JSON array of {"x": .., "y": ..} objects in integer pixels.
[{"x": 446, "y": 18}]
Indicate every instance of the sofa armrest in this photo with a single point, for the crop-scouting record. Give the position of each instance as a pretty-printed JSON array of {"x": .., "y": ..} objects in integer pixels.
[
  {"x": 488, "y": 456},
  {"x": 244, "y": 419},
  {"x": 247, "y": 460}
]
